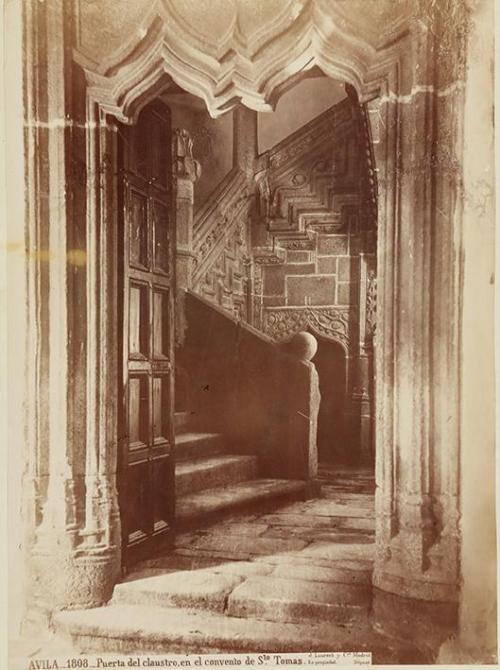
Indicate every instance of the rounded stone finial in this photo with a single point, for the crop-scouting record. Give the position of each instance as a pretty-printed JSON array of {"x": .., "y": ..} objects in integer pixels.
[{"x": 303, "y": 345}]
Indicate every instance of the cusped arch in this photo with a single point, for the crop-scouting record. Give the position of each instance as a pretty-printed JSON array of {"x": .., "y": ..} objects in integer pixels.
[{"x": 253, "y": 69}]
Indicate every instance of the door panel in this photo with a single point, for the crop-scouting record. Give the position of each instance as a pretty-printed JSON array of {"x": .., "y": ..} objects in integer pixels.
[{"x": 146, "y": 467}]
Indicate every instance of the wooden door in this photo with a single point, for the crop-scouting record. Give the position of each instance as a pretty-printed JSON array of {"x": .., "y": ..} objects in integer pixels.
[{"x": 146, "y": 463}]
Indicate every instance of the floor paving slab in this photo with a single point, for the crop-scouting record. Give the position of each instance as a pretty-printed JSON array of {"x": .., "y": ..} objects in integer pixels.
[
  {"x": 315, "y": 573},
  {"x": 335, "y": 551},
  {"x": 247, "y": 546},
  {"x": 357, "y": 523},
  {"x": 250, "y": 529},
  {"x": 320, "y": 535},
  {"x": 286, "y": 518},
  {"x": 331, "y": 508},
  {"x": 299, "y": 558}
]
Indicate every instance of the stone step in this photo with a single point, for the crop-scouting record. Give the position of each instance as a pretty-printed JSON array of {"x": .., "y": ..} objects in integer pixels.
[
  {"x": 212, "y": 504},
  {"x": 212, "y": 472},
  {"x": 296, "y": 600},
  {"x": 275, "y": 565},
  {"x": 199, "y": 589},
  {"x": 145, "y": 629},
  {"x": 191, "y": 445},
  {"x": 251, "y": 596}
]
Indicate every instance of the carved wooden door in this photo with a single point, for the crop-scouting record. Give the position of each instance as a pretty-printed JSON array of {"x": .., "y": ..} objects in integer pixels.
[{"x": 146, "y": 459}]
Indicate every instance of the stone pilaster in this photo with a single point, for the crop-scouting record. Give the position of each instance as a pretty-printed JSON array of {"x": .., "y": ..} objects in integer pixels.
[{"x": 186, "y": 170}]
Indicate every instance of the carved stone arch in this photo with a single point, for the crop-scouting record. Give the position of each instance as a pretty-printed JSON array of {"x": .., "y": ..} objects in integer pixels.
[
  {"x": 331, "y": 323},
  {"x": 402, "y": 97},
  {"x": 254, "y": 69}
]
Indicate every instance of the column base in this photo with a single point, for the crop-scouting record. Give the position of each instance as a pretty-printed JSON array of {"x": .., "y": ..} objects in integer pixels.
[
  {"x": 425, "y": 624},
  {"x": 71, "y": 581},
  {"x": 412, "y": 587},
  {"x": 454, "y": 652}
]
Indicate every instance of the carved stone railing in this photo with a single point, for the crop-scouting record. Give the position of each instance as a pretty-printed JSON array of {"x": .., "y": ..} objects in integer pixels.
[
  {"x": 216, "y": 218},
  {"x": 309, "y": 136},
  {"x": 264, "y": 399},
  {"x": 297, "y": 178},
  {"x": 221, "y": 265}
]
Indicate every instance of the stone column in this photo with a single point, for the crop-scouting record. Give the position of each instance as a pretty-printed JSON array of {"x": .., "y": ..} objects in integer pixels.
[
  {"x": 244, "y": 139},
  {"x": 186, "y": 170},
  {"x": 417, "y": 364},
  {"x": 69, "y": 487},
  {"x": 476, "y": 639},
  {"x": 365, "y": 386}
]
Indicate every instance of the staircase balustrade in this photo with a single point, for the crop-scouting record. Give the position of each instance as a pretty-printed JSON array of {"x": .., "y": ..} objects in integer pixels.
[
  {"x": 217, "y": 219},
  {"x": 262, "y": 397}
]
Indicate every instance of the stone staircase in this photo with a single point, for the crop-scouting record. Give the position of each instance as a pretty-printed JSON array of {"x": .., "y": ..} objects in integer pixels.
[
  {"x": 297, "y": 579},
  {"x": 212, "y": 482}
]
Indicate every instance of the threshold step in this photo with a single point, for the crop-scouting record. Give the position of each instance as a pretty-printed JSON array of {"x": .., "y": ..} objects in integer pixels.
[
  {"x": 250, "y": 596},
  {"x": 189, "y": 445},
  {"x": 296, "y": 601},
  {"x": 212, "y": 503},
  {"x": 136, "y": 629},
  {"x": 214, "y": 471}
]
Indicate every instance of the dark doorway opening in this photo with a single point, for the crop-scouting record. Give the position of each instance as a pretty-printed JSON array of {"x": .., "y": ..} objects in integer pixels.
[{"x": 330, "y": 362}]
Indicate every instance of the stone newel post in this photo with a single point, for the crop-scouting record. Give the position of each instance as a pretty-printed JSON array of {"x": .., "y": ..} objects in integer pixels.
[{"x": 303, "y": 345}]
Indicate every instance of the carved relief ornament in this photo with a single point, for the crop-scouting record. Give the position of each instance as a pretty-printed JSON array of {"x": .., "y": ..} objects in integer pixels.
[{"x": 330, "y": 322}]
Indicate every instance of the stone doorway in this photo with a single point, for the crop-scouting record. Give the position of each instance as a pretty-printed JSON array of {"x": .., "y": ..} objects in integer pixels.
[{"x": 419, "y": 332}]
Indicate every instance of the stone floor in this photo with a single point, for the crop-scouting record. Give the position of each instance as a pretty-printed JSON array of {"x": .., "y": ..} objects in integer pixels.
[
  {"x": 297, "y": 578},
  {"x": 328, "y": 538}
]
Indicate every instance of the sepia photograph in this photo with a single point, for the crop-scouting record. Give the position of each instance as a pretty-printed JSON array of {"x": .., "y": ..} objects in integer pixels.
[{"x": 250, "y": 333}]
